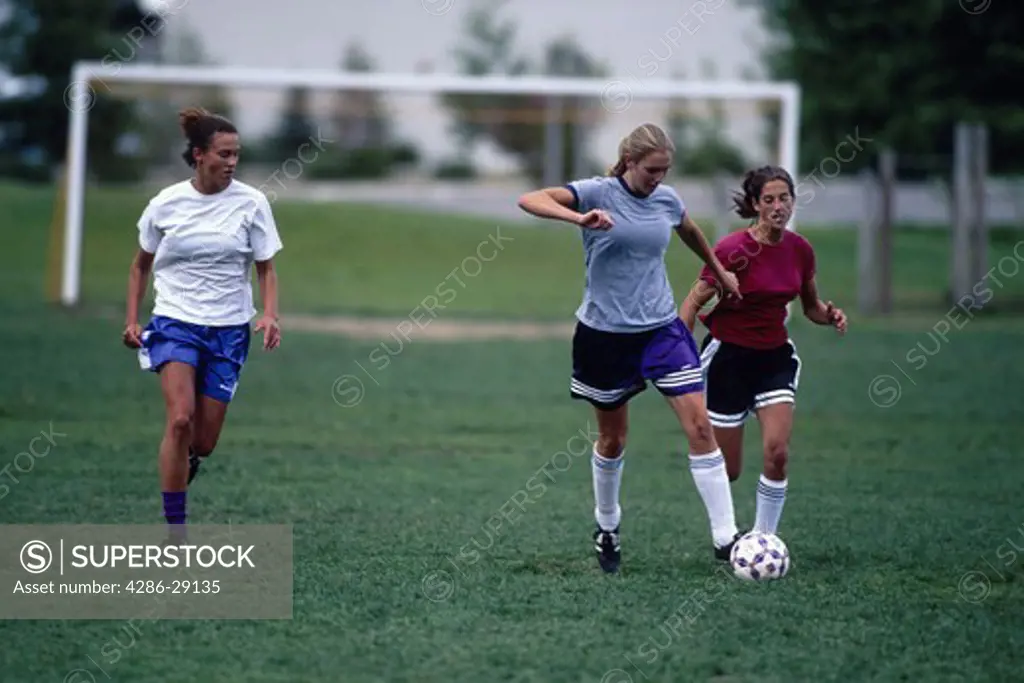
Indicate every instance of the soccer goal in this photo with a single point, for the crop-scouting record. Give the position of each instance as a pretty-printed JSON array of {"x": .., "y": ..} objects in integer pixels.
[{"x": 339, "y": 135}]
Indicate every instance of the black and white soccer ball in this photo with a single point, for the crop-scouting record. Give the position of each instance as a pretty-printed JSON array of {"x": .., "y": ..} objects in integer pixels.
[{"x": 760, "y": 557}]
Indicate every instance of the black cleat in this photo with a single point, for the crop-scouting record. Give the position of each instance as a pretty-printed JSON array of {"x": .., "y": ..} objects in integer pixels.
[
  {"x": 606, "y": 544},
  {"x": 724, "y": 552},
  {"x": 193, "y": 465}
]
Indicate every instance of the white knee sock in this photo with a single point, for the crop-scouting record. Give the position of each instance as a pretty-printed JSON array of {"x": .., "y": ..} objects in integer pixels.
[
  {"x": 771, "y": 496},
  {"x": 712, "y": 482},
  {"x": 607, "y": 480}
]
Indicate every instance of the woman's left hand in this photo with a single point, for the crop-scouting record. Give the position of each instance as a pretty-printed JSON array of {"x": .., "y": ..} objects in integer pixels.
[
  {"x": 271, "y": 332},
  {"x": 836, "y": 317}
]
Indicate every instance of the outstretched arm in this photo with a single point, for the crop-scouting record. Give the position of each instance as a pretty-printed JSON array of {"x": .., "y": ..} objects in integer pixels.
[
  {"x": 693, "y": 237},
  {"x": 818, "y": 311},
  {"x": 559, "y": 203},
  {"x": 551, "y": 202}
]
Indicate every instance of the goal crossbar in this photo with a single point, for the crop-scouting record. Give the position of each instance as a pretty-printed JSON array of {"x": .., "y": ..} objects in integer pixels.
[
  {"x": 85, "y": 73},
  {"x": 429, "y": 83}
]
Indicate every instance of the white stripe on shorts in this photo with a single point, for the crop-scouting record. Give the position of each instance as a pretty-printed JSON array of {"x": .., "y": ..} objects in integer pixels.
[
  {"x": 681, "y": 378},
  {"x": 599, "y": 395},
  {"x": 769, "y": 398},
  {"x": 726, "y": 421},
  {"x": 709, "y": 353},
  {"x": 719, "y": 420},
  {"x": 796, "y": 375}
]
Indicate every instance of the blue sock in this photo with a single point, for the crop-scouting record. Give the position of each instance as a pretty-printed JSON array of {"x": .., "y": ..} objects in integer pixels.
[{"x": 174, "y": 507}]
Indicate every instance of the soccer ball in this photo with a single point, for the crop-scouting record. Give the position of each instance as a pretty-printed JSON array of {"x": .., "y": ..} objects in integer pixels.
[{"x": 759, "y": 557}]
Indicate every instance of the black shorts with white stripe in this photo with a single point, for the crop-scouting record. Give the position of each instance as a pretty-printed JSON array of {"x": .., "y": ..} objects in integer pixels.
[
  {"x": 741, "y": 380},
  {"x": 610, "y": 368}
]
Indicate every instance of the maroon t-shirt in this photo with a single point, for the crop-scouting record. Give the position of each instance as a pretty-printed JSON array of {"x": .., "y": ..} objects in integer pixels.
[{"x": 770, "y": 276}]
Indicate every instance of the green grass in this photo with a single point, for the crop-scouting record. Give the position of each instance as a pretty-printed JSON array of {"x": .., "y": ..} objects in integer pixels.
[
  {"x": 888, "y": 508},
  {"x": 360, "y": 259}
]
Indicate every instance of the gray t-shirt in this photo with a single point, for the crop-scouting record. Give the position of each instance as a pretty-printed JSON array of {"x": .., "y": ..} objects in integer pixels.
[{"x": 626, "y": 286}]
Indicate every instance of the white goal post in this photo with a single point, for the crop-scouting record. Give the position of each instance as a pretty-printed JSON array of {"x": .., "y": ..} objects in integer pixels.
[{"x": 84, "y": 73}]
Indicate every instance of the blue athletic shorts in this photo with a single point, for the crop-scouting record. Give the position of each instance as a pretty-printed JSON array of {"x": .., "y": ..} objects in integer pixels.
[{"x": 217, "y": 353}]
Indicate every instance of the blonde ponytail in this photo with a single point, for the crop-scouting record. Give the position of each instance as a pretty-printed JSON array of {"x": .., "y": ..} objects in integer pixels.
[
  {"x": 641, "y": 141},
  {"x": 618, "y": 168}
]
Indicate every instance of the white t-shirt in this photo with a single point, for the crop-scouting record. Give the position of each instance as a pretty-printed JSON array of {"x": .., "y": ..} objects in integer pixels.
[{"x": 205, "y": 246}]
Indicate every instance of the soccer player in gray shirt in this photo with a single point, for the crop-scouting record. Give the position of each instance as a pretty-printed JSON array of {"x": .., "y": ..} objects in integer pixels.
[{"x": 628, "y": 329}]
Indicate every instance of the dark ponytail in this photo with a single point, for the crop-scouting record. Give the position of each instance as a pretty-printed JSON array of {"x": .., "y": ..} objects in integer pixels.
[
  {"x": 744, "y": 201},
  {"x": 753, "y": 183},
  {"x": 199, "y": 127}
]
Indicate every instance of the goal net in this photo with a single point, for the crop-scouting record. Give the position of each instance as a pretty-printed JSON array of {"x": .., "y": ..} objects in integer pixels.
[{"x": 449, "y": 143}]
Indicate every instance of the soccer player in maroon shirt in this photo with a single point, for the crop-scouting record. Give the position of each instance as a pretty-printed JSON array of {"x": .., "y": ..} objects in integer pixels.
[{"x": 750, "y": 362}]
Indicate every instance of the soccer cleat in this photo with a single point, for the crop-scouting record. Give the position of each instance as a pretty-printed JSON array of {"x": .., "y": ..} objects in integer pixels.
[
  {"x": 724, "y": 552},
  {"x": 606, "y": 544},
  {"x": 193, "y": 465}
]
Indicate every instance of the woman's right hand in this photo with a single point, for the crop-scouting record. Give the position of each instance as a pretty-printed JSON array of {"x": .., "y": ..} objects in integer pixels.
[
  {"x": 595, "y": 219},
  {"x": 132, "y": 336}
]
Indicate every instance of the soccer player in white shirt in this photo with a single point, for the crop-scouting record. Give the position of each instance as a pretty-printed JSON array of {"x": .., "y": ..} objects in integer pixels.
[{"x": 200, "y": 238}]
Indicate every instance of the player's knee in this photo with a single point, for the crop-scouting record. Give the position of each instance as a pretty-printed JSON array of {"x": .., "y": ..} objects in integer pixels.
[
  {"x": 611, "y": 445},
  {"x": 179, "y": 422},
  {"x": 776, "y": 455},
  {"x": 733, "y": 471},
  {"x": 699, "y": 433}
]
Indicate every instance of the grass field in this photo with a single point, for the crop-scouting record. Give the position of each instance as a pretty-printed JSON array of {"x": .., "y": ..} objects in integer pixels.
[
  {"x": 904, "y": 521},
  {"x": 358, "y": 259}
]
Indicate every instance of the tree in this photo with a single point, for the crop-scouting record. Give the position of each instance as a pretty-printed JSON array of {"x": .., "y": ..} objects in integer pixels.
[
  {"x": 516, "y": 123},
  {"x": 902, "y": 74},
  {"x": 360, "y": 117},
  {"x": 40, "y": 40},
  {"x": 362, "y": 141},
  {"x": 296, "y": 126},
  {"x": 488, "y": 50}
]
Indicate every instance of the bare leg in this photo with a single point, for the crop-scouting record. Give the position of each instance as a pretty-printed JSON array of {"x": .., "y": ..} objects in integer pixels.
[
  {"x": 776, "y": 429},
  {"x": 730, "y": 440},
  {"x": 209, "y": 421},
  {"x": 177, "y": 381},
  {"x": 707, "y": 466},
  {"x": 692, "y": 414}
]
